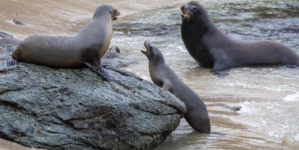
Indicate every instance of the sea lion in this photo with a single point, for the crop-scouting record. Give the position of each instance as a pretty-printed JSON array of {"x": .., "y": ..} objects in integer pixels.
[
  {"x": 112, "y": 58},
  {"x": 85, "y": 47},
  {"x": 211, "y": 48},
  {"x": 197, "y": 115},
  {"x": 8, "y": 39},
  {"x": 113, "y": 52}
]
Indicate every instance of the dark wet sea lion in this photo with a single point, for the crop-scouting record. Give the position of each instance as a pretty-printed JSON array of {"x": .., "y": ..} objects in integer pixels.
[
  {"x": 211, "y": 48},
  {"x": 86, "y": 47},
  {"x": 197, "y": 115}
]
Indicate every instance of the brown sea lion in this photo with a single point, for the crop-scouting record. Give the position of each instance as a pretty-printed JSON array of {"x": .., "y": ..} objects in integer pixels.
[
  {"x": 197, "y": 115},
  {"x": 86, "y": 47},
  {"x": 211, "y": 48}
]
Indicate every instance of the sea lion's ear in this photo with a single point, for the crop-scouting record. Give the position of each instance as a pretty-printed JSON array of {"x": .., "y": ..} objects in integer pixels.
[{"x": 200, "y": 12}]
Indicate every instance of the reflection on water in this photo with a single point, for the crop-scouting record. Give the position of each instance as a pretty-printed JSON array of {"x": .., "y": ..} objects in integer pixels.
[{"x": 269, "y": 96}]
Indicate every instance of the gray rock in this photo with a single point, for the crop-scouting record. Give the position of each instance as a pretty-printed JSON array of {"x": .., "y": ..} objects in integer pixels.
[{"x": 50, "y": 108}]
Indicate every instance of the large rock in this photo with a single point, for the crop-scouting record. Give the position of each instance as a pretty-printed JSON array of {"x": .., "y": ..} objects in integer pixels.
[{"x": 50, "y": 108}]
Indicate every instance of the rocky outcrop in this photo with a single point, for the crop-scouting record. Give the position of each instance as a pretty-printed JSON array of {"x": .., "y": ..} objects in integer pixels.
[{"x": 50, "y": 108}]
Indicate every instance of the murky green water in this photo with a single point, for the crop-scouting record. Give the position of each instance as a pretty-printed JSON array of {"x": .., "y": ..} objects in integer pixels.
[{"x": 269, "y": 96}]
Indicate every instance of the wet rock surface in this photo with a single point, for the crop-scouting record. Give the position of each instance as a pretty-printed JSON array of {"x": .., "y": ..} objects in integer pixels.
[{"x": 50, "y": 108}]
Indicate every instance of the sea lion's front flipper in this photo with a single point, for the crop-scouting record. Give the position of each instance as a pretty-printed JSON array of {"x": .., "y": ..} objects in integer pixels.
[
  {"x": 100, "y": 71},
  {"x": 11, "y": 62}
]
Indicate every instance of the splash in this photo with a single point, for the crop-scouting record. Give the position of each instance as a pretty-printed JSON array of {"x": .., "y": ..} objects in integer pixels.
[{"x": 292, "y": 98}]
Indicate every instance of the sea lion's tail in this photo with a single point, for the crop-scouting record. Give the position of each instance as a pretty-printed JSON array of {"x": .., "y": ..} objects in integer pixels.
[{"x": 11, "y": 62}]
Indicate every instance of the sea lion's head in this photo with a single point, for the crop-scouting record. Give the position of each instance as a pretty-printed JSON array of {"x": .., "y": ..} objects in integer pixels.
[
  {"x": 113, "y": 52},
  {"x": 152, "y": 52},
  {"x": 106, "y": 8},
  {"x": 192, "y": 12}
]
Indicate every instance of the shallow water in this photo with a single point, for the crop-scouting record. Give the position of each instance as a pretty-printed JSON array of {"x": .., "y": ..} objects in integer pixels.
[{"x": 269, "y": 97}]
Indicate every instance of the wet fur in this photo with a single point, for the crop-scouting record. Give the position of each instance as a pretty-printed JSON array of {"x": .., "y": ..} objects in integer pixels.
[
  {"x": 86, "y": 47},
  {"x": 211, "y": 48},
  {"x": 197, "y": 115}
]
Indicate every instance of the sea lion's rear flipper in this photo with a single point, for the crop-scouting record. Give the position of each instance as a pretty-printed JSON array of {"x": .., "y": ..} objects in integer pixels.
[
  {"x": 11, "y": 62},
  {"x": 100, "y": 71}
]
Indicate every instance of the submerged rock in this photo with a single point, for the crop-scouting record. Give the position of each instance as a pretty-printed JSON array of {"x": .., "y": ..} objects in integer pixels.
[{"x": 50, "y": 108}]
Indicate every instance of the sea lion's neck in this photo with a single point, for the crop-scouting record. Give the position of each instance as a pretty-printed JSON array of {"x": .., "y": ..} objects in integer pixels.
[{"x": 157, "y": 61}]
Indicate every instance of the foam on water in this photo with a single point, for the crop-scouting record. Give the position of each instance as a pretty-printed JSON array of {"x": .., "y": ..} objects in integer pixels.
[{"x": 292, "y": 98}]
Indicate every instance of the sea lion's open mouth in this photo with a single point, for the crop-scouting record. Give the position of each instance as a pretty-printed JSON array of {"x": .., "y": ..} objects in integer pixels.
[
  {"x": 185, "y": 14},
  {"x": 144, "y": 51},
  {"x": 116, "y": 15}
]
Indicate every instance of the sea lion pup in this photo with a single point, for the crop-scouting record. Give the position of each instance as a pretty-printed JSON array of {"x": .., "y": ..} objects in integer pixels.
[
  {"x": 83, "y": 48},
  {"x": 211, "y": 48},
  {"x": 197, "y": 115}
]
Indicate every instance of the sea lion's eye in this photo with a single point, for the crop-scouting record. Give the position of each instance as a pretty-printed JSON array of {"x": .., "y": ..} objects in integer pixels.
[
  {"x": 193, "y": 8},
  {"x": 150, "y": 48}
]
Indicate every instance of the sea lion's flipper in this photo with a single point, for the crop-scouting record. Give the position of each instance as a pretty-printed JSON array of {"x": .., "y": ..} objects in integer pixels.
[
  {"x": 100, "y": 71},
  {"x": 221, "y": 73},
  {"x": 5, "y": 35},
  {"x": 220, "y": 69},
  {"x": 11, "y": 62},
  {"x": 17, "y": 22}
]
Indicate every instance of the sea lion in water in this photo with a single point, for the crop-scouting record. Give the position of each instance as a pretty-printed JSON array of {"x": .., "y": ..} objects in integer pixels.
[
  {"x": 197, "y": 115},
  {"x": 211, "y": 48},
  {"x": 83, "y": 48}
]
